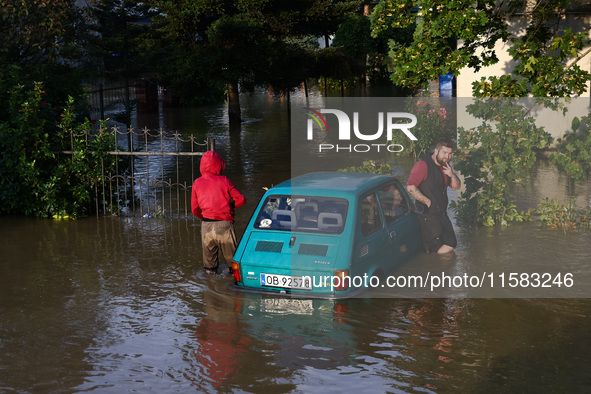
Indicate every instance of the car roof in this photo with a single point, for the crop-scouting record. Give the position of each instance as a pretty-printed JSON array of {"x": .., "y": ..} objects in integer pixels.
[{"x": 330, "y": 183}]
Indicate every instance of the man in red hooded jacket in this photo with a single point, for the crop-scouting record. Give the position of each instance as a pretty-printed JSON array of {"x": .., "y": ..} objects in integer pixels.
[{"x": 213, "y": 200}]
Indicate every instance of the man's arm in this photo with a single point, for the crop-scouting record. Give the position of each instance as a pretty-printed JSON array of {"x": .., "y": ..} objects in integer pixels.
[
  {"x": 416, "y": 193},
  {"x": 455, "y": 182},
  {"x": 418, "y": 174},
  {"x": 239, "y": 199},
  {"x": 195, "y": 208}
]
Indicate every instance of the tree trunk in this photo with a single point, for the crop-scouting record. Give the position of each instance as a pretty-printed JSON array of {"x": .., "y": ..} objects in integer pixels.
[
  {"x": 366, "y": 13},
  {"x": 233, "y": 104}
]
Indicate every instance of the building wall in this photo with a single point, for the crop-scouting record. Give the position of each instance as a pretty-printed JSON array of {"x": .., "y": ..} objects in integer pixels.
[
  {"x": 578, "y": 20},
  {"x": 556, "y": 124}
]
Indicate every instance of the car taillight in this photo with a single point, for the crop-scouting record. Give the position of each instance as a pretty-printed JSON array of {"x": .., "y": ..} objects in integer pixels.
[
  {"x": 343, "y": 282},
  {"x": 340, "y": 312},
  {"x": 236, "y": 271}
]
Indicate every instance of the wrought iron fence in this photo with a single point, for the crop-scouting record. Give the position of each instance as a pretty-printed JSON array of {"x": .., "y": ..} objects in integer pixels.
[
  {"x": 109, "y": 101},
  {"x": 152, "y": 172}
]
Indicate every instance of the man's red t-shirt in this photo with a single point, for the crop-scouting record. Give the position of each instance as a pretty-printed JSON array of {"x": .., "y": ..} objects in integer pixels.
[{"x": 419, "y": 173}]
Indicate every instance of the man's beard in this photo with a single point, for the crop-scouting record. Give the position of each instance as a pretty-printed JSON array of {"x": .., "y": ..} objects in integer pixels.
[{"x": 440, "y": 161}]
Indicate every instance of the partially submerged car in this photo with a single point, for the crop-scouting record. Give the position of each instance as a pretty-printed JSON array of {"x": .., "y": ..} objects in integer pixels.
[{"x": 327, "y": 235}]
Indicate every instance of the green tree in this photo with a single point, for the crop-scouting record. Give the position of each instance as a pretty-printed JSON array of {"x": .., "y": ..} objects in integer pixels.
[
  {"x": 34, "y": 180},
  {"x": 38, "y": 31},
  {"x": 26, "y": 152},
  {"x": 539, "y": 56},
  {"x": 573, "y": 153},
  {"x": 245, "y": 43},
  {"x": 366, "y": 51},
  {"x": 123, "y": 43},
  {"x": 494, "y": 156},
  {"x": 41, "y": 68},
  {"x": 438, "y": 26},
  {"x": 40, "y": 41},
  {"x": 293, "y": 54},
  {"x": 457, "y": 34}
]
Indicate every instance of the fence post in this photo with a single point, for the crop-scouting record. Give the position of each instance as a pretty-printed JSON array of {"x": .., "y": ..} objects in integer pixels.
[
  {"x": 102, "y": 101},
  {"x": 211, "y": 143}
]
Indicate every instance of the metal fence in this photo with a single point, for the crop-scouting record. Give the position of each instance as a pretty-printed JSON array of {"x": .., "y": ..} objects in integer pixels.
[
  {"x": 109, "y": 101},
  {"x": 150, "y": 173}
]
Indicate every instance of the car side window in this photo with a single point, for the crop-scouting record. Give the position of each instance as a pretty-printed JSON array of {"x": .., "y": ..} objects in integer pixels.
[
  {"x": 393, "y": 203},
  {"x": 371, "y": 218}
]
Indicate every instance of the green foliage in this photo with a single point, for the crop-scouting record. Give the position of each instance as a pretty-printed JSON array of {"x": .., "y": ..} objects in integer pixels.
[
  {"x": 346, "y": 59},
  {"x": 437, "y": 28},
  {"x": 501, "y": 151},
  {"x": 573, "y": 154},
  {"x": 34, "y": 180},
  {"x": 371, "y": 167},
  {"x": 123, "y": 45},
  {"x": 40, "y": 42},
  {"x": 336, "y": 64},
  {"x": 432, "y": 125},
  {"x": 544, "y": 63},
  {"x": 72, "y": 185},
  {"x": 494, "y": 156},
  {"x": 38, "y": 31},
  {"x": 541, "y": 57},
  {"x": 293, "y": 54},
  {"x": 555, "y": 215},
  {"x": 540, "y": 67},
  {"x": 253, "y": 42},
  {"x": 123, "y": 40},
  {"x": 25, "y": 151},
  {"x": 187, "y": 79},
  {"x": 159, "y": 213},
  {"x": 354, "y": 37},
  {"x": 551, "y": 213}
]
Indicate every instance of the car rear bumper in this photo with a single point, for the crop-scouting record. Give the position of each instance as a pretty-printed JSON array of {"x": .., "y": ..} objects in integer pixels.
[{"x": 340, "y": 295}]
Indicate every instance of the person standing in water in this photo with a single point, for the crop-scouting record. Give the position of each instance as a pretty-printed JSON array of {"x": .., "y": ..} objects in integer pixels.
[
  {"x": 213, "y": 200},
  {"x": 428, "y": 183}
]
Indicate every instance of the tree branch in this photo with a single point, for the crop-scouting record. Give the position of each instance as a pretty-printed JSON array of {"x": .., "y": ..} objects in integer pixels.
[{"x": 578, "y": 58}]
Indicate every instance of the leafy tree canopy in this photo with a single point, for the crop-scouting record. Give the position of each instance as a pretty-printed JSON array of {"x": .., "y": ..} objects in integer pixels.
[
  {"x": 40, "y": 41},
  {"x": 256, "y": 42},
  {"x": 37, "y": 31},
  {"x": 454, "y": 34},
  {"x": 123, "y": 44}
]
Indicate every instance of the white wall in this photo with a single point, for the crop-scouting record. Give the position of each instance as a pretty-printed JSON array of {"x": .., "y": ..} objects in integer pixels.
[{"x": 578, "y": 21}]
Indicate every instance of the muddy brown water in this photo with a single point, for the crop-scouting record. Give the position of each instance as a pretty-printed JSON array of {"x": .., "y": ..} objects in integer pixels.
[{"x": 116, "y": 304}]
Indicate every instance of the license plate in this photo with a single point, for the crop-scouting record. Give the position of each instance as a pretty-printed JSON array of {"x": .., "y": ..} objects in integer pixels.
[
  {"x": 287, "y": 306},
  {"x": 289, "y": 282}
]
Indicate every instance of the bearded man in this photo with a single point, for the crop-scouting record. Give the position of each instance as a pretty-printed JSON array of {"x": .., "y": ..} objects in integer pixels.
[{"x": 428, "y": 183}]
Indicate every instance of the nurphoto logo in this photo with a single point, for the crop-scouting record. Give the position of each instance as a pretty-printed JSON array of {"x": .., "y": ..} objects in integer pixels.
[{"x": 387, "y": 123}]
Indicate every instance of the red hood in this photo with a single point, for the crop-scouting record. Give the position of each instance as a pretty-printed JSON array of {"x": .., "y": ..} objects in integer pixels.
[{"x": 212, "y": 163}]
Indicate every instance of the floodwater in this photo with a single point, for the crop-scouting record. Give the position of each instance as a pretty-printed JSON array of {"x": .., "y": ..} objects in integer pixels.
[{"x": 120, "y": 304}]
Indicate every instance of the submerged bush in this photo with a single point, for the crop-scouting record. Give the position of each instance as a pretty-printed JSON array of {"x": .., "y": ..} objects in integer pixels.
[
  {"x": 371, "y": 167},
  {"x": 555, "y": 215},
  {"x": 35, "y": 179},
  {"x": 492, "y": 157},
  {"x": 573, "y": 154}
]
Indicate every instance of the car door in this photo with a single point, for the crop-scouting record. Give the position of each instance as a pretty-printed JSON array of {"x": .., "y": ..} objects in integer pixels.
[
  {"x": 372, "y": 245},
  {"x": 399, "y": 223}
]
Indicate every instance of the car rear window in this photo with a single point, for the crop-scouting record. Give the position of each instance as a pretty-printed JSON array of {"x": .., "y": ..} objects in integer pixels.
[{"x": 303, "y": 213}]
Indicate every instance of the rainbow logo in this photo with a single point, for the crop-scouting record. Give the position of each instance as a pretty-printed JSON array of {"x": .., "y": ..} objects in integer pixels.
[{"x": 318, "y": 118}]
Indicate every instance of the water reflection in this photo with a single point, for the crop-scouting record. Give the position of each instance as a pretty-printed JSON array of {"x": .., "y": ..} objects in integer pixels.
[
  {"x": 111, "y": 305},
  {"x": 114, "y": 305},
  {"x": 222, "y": 343}
]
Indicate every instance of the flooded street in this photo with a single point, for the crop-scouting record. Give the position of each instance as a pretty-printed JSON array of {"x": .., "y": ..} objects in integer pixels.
[{"x": 121, "y": 304}]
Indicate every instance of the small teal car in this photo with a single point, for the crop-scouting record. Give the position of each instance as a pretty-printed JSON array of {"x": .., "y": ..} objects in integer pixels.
[{"x": 327, "y": 235}]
